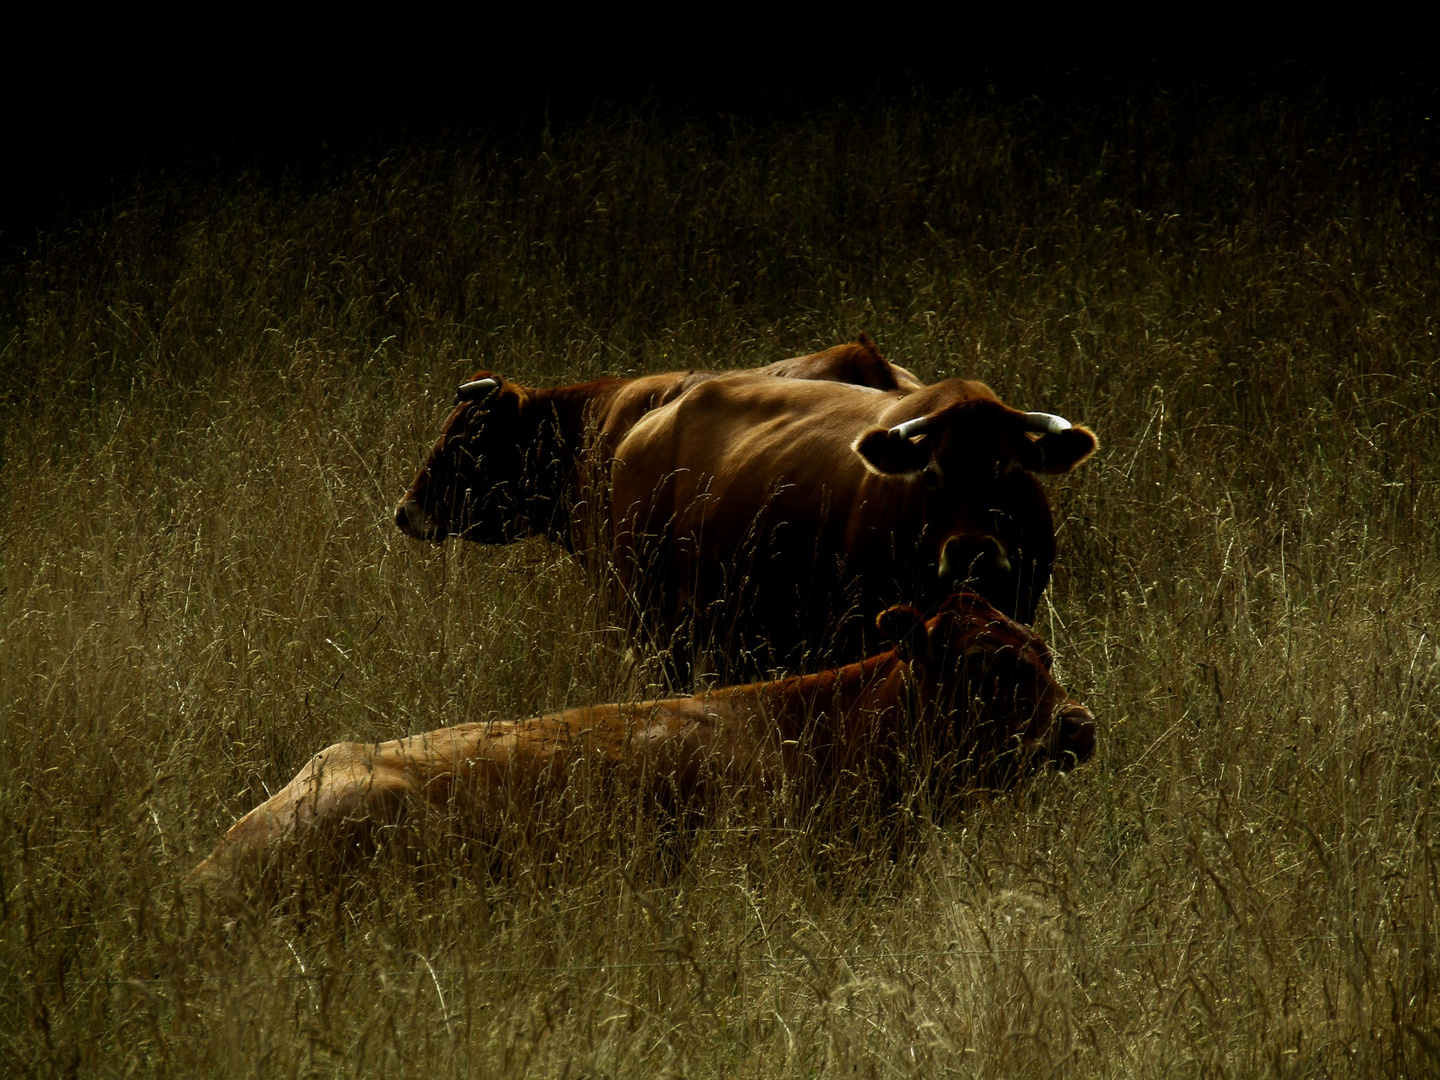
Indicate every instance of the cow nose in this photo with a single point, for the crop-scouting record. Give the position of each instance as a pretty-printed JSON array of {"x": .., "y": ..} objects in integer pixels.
[
  {"x": 411, "y": 519},
  {"x": 1075, "y": 741},
  {"x": 963, "y": 558}
]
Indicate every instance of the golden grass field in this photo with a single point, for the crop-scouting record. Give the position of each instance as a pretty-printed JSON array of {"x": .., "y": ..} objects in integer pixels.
[{"x": 214, "y": 392}]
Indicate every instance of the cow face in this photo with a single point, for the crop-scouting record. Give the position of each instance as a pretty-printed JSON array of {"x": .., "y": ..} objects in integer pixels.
[
  {"x": 473, "y": 483},
  {"x": 987, "y": 523},
  {"x": 991, "y": 677}
]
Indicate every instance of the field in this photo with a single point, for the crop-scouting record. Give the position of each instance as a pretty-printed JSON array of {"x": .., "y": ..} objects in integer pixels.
[{"x": 214, "y": 391}]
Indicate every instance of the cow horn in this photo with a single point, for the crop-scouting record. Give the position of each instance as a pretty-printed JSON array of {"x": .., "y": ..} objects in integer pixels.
[
  {"x": 910, "y": 428},
  {"x": 1045, "y": 422},
  {"x": 475, "y": 388}
]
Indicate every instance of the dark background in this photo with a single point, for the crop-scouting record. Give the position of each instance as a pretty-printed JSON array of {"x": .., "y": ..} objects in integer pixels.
[{"x": 121, "y": 112}]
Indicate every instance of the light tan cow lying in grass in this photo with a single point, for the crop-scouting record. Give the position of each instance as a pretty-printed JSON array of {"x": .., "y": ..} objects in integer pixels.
[{"x": 970, "y": 686}]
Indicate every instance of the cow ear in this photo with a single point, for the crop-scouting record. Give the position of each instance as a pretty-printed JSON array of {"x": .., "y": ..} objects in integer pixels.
[
  {"x": 891, "y": 455},
  {"x": 905, "y": 627},
  {"x": 1059, "y": 452}
]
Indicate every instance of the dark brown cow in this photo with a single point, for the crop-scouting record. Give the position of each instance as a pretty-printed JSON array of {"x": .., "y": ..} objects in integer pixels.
[
  {"x": 970, "y": 687},
  {"x": 758, "y": 518},
  {"x": 510, "y": 460}
]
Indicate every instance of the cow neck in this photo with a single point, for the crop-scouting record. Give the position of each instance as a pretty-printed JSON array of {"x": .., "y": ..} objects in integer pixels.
[
  {"x": 559, "y": 417},
  {"x": 574, "y": 407}
]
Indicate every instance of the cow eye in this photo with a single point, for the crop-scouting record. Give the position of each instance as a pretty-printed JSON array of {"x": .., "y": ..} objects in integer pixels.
[{"x": 933, "y": 479}]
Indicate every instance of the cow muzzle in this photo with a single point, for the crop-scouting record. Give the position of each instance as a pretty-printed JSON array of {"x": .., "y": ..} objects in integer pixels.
[
  {"x": 412, "y": 519},
  {"x": 974, "y": 558},
  {"x": 1073, "y": 737}
]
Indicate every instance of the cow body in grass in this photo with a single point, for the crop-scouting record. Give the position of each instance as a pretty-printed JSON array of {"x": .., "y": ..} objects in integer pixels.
[
  {"x": 514, "y": 461},
  {"x": 758, "y": 519},
  {"x": 968, "y": 692}
]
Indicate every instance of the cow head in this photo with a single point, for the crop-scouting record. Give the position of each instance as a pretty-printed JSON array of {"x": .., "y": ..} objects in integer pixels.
[
  {"x": 973, "y": 464},
  {"x": 991, "y": 677},
  {"x": 478, "y": 481}
]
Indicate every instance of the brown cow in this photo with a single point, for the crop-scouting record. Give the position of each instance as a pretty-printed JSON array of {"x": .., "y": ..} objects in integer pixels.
[
  {"x": 969, "y": 689},
  {"x": 758, "y": 518},
  {"x": 510, "y": 460}
]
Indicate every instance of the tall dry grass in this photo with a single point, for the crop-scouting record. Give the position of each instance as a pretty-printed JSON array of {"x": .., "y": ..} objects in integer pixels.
[{"x": 213, "y": 394}]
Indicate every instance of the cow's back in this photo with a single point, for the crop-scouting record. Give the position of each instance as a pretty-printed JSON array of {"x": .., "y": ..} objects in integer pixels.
[
  {"x": 857, "y": 362},
  {"x": 731, "y": 441},
  {"x": 738, "y": 442},
  {"x": 614, "y": 415}
]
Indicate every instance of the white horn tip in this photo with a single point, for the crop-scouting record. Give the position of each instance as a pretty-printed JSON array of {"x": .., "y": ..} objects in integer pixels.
[
  {"x": 475, "y": 386},
  {"x": 910, "y": 428},
  {"x": 1047, "y": 422}
]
